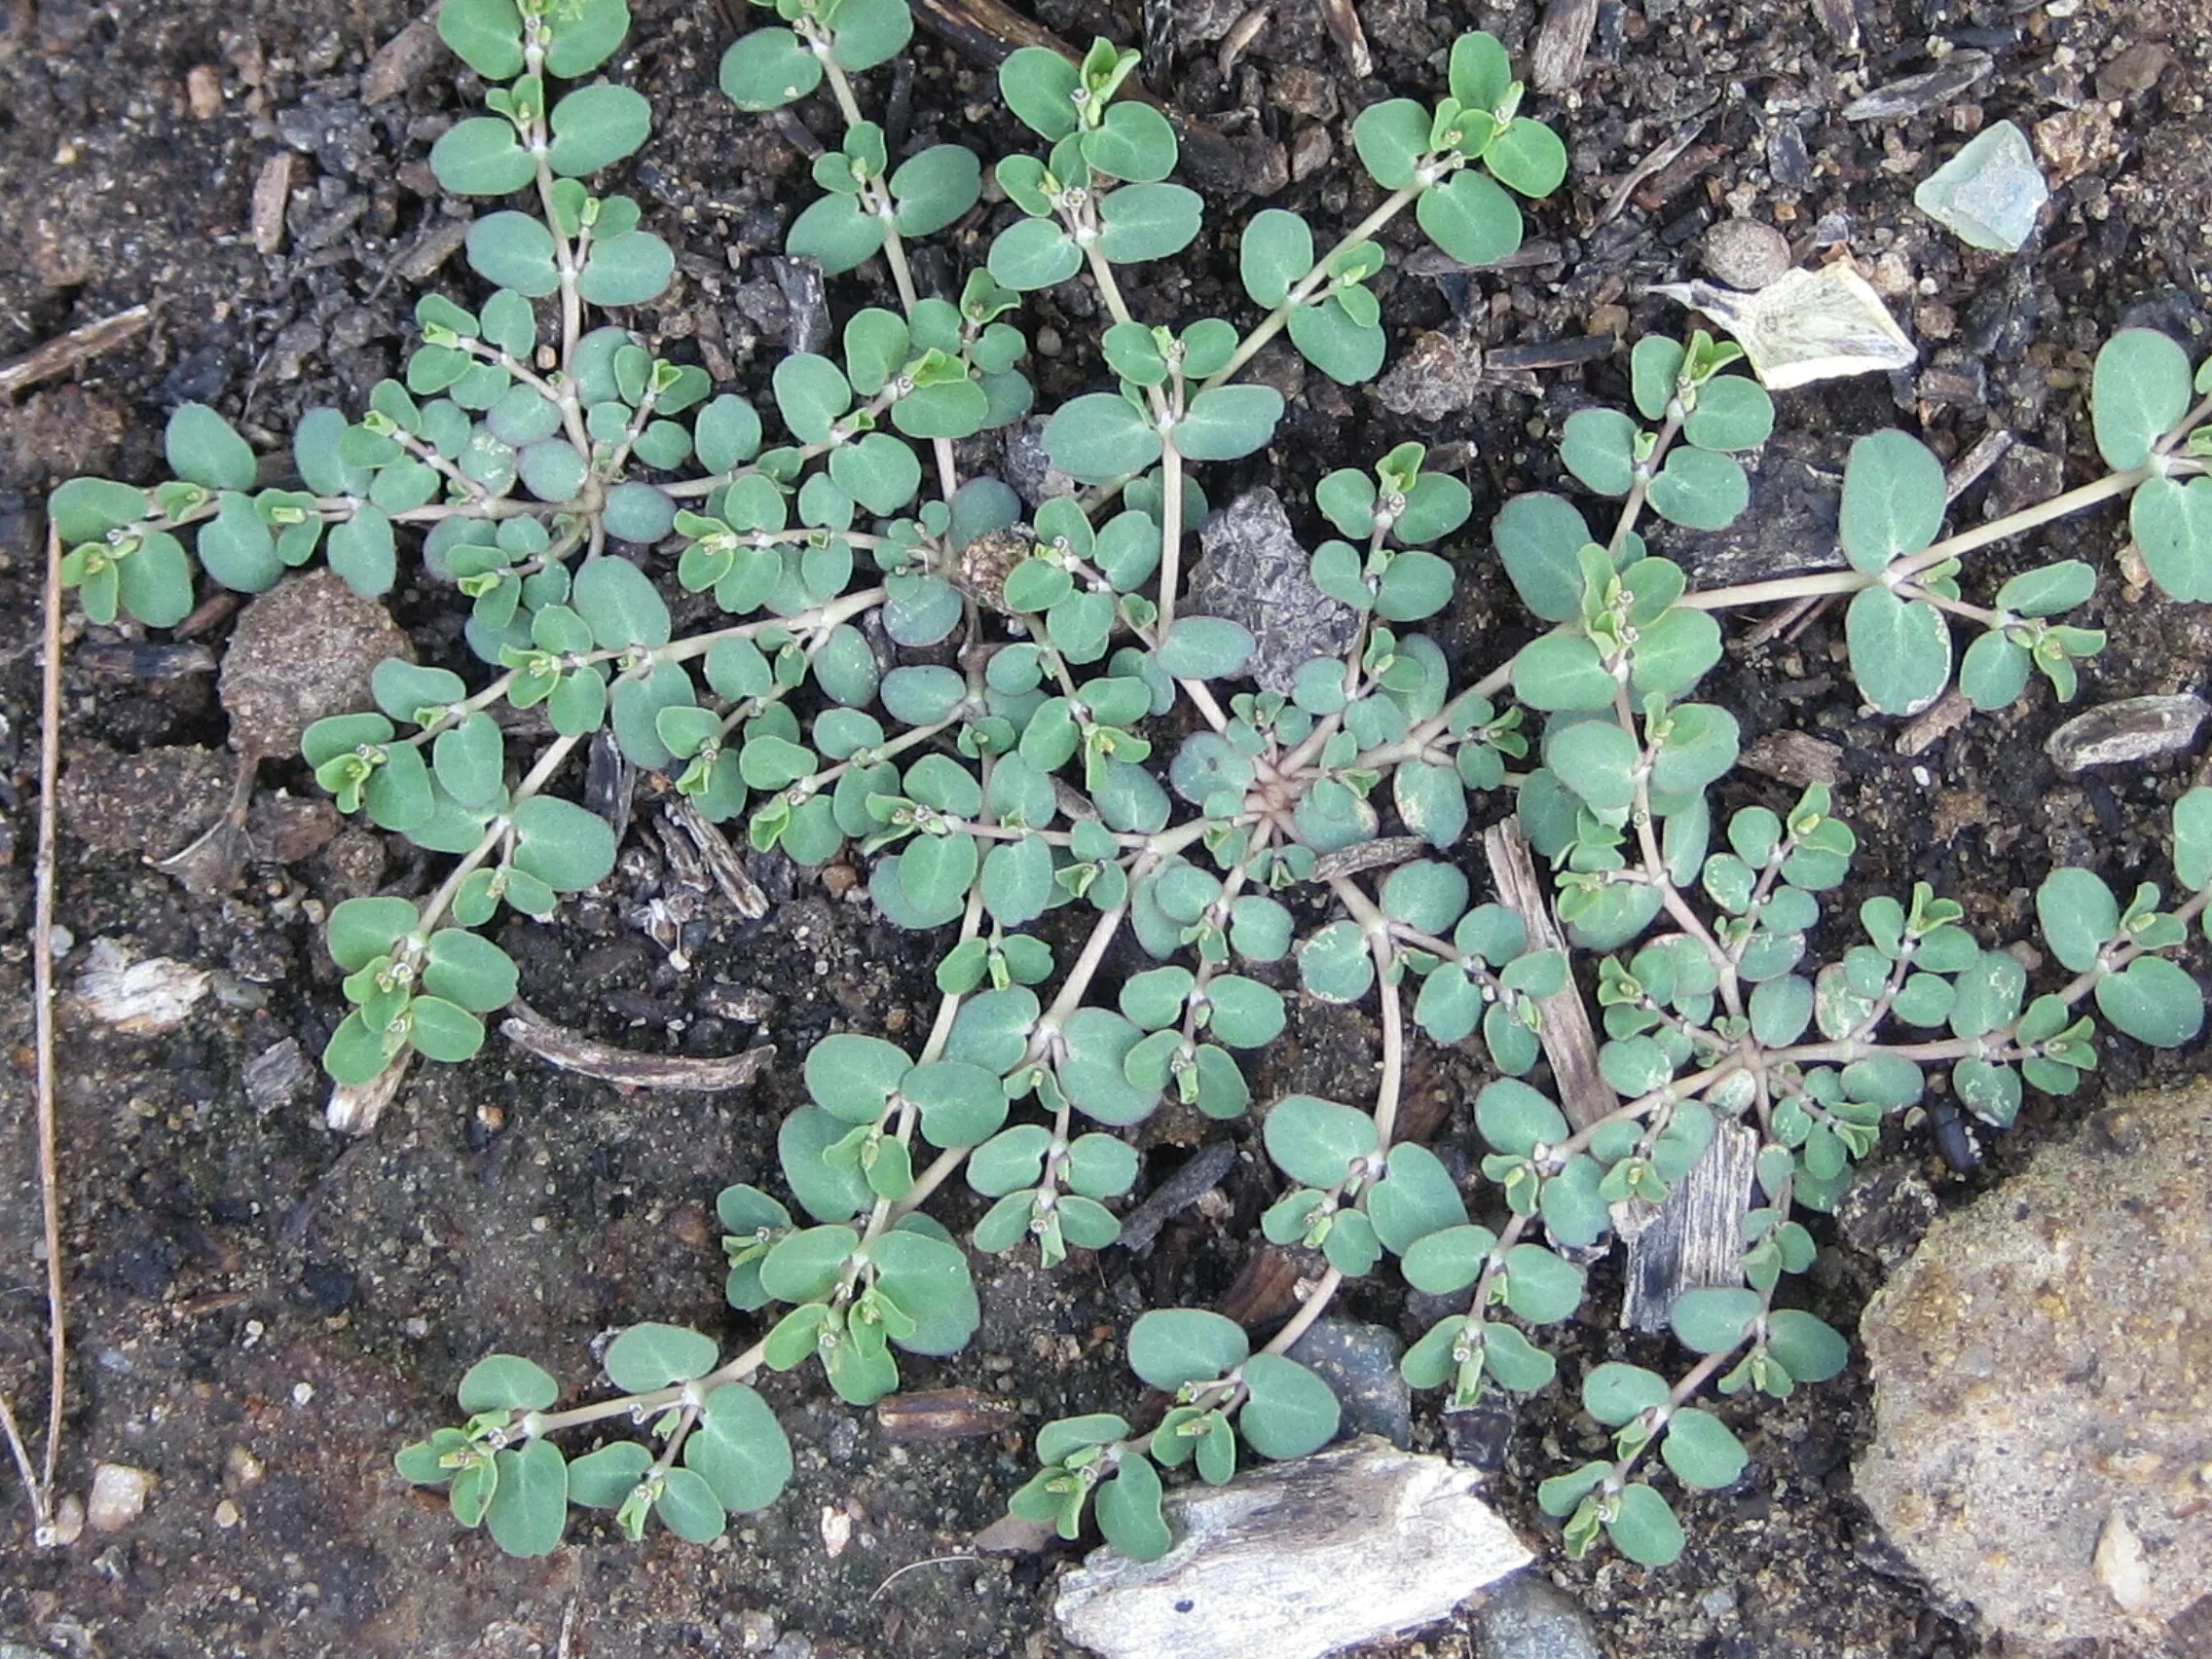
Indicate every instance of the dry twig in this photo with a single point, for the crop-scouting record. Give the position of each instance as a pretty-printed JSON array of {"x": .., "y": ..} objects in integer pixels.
[
  {"x": 41, "y": 1489},
  {"x": 570, "y": 1051},
  {"x": 60, "y": 356}
]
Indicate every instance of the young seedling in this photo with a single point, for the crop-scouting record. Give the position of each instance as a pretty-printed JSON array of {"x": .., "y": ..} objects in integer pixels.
[{"x": 1099, "y": 768}]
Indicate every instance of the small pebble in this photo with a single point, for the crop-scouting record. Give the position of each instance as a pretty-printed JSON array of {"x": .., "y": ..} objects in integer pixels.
[
  {"x": 1360, "y": 1364},
  {"x": 227, "y": 1515},
  {"x": 1744, "y": 253},
  {"x": 68, "y": 1524},
  {"x": 203, "y": 91},
  {"x": 119, "y": 1497}
]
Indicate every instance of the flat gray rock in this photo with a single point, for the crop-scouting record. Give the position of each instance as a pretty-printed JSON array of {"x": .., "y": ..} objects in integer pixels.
[
  {"x": 1297, "y": 1561},
  {"x": 1529, "y": 1617}
]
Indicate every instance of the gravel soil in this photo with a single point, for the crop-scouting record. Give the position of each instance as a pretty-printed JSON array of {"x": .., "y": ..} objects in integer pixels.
[{"x": 261, "y": 1313}]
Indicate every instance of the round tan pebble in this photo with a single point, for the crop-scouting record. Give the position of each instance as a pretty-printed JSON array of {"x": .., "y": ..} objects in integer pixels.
[{"x": 1744, "y": 253}]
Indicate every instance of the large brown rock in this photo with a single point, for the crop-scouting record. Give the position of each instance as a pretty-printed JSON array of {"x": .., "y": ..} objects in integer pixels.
[
  {"x": 303, "y": 650},
  {"x": 2042, "y": 1368}
]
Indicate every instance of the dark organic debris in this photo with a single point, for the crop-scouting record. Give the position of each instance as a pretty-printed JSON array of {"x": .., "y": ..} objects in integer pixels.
[{"x": 1916, "y": 95}]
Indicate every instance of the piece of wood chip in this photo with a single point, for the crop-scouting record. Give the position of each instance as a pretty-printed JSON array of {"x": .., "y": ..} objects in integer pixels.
[
  {"x": 1794, "y": 758},
  {"x": 355, "y": 1108},
  {"x": 1693, "y": 1240},
  {"x": 1569, "y": 1044},
  {"x": 1562, "y": 41},
  {"x": 58, "y": 356},
  {"x": 140, "y": 998},
  {"x": 402, "y": 60},
  {"x": 1351, "y": 38},
  {"x": 1384, "y": 851},
  {"x": 1933, "y": 723},
  {"x": 1200, "y": 1173},
  {"x": 1298, "y": 1560},
  {"x": 271, "y": 192},
  {"x": 570, "y": 1051},
  {"x": 940, "y": 1414},
  {"x": 716, "y": 858}
]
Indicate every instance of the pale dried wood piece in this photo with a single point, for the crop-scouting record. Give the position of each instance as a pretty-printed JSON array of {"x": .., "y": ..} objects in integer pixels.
[
  {"x": 355, "y": 1108},
  {"x": 1841, "y": 21},
  {"x": 138, "y": 997},
  {"x": 271, "y": 190},
  {"x": 695, "y": 1074},
  {"x": 1297, "y": 1561},
  {"x": 1794, "y": 758},
  {"x": 1568, "y": 1042},
  {"x": 400, "y": 62},
  {"x": 1933, "y": 723},
  {"x": 1351, "y": 40},
  {"x": 1267, "y": 1290},
  {"x": 1929, "y": 90},
  {"x": 1554, "y": 61},
  {"x": 1693, "y": 1240},
  {"x": 60, "y": 356},
  {"x": 1966, "y": 473}
]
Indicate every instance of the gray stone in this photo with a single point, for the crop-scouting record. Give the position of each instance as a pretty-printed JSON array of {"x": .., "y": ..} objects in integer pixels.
[
  {"x": 1254, "y": 572},
  {"x": 1360, "y": 1363},
  {"x": 1529, "y": 1617},
  {"x": 1438, "y": 376},
  {"x": 2134, "y": 728},
  {"x": 2043, "y": 1375},
  {"x": 1297, "y": 1561},
  {"x": 1744, "y": 253},
  {"x": 1989, "y": 194}
]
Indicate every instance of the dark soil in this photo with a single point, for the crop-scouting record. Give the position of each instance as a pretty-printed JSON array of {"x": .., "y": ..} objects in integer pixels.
[{"x": 261, "y": 1313}]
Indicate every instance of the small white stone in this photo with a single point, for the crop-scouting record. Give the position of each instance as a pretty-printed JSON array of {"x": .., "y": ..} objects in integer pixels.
[
  {"x": 119, "y": 1497},
  {"x": 227, "y": 1515},
  {"x": 302, "y": 1394},
  {"x": 2120, "y": 1566}
]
